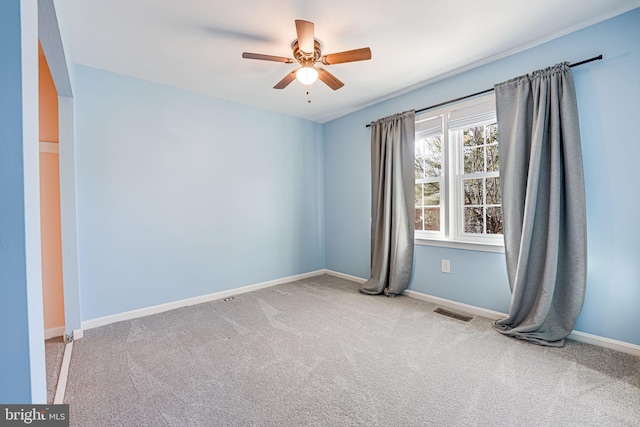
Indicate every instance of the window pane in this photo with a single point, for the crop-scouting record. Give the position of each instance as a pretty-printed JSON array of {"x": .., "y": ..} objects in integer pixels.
[
  {"x": 493, "y": 161},
  {"x": 418, "y": 195},
  {"x": 432, "y": 219},
  {"x": 431, "y": 194},
  {"x": 492, "y": 133},
  {"x": 494, "y": 220},
  {"x": 419, "y": 161},
  {"x": 493, "y": 191},
  {"x": 472, "y": 191},
  {"x": 419, "y": 147},
  {"x": 473, "y": 160},
  {"x": 433, "y": 156},
  {"x": 418, "y": 220},
  {"x": 473, "y": 220},
  {"x": 473, "y": 136},
  {"x": 419, "y": 166}
]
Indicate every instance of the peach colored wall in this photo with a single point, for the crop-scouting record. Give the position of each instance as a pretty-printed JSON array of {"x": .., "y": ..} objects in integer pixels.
[
  {"x": 48, "y": 101},
  {"x": 53, "y": 295}
]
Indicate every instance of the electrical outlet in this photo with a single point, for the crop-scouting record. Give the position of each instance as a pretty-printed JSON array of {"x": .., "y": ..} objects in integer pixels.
[{"x": 446, "y": 266}]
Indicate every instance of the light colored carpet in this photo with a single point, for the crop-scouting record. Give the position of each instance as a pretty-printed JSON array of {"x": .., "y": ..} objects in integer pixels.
[
  {"x": 54, "y": 351},
  {"x": 317, "y": 353}
]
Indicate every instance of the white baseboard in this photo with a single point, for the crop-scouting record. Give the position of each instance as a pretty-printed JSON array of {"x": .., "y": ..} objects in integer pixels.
[
  {"x": 596, "y": 340},
  {"x": 344, "y": 276},
  {"x": 147, "y": 311},
  {"x": 54, "y": 332},
  {"x": 622, "y": 346},
  {"x": 64, "y": 374},
  {"x": 466, "y": 308}
]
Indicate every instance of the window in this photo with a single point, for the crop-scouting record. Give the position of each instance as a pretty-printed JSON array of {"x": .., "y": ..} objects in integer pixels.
[{"x": 457, "y": 179}]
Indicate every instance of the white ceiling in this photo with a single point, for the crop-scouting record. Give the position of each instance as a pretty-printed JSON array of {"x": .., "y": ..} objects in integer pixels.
[{"x": 197, "y": 44}]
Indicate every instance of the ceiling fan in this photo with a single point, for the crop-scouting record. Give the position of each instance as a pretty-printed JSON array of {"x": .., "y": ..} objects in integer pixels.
[{"x": 307, "y": 52}]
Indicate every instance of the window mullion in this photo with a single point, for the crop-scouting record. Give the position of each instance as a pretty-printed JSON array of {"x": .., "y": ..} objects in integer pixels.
[{"x": 450, "y": 160}]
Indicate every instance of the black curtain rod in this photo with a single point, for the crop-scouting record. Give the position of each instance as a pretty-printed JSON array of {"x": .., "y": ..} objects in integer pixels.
[{"x": 451, "y": 101}]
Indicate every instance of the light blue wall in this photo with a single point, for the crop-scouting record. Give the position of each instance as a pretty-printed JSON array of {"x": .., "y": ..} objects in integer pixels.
[
  {"x": 14, "y": 358},
  {"x": 608, "y": 93},
  {"x": 181, "y": 195},
  {"x": 22, "y": 367}
]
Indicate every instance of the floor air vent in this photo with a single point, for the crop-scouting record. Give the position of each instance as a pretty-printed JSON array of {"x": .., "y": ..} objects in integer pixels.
[{"x": 453, "y": 314}]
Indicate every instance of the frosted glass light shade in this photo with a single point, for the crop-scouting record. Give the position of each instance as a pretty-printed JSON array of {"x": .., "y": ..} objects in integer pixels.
[{"x": 307, "y": 75}]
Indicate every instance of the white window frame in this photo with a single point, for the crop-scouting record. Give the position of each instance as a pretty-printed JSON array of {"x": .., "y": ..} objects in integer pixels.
[
  {"x": 481, "y": 111},
  {"x": 424, "y": 134}
]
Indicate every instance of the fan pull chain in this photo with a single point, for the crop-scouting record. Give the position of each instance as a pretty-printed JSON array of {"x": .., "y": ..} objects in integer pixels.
[{"x": 308, "y": 97}]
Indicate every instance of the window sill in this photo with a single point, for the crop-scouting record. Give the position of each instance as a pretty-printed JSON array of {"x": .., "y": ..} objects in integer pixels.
[{"x": 469, "y": 246}]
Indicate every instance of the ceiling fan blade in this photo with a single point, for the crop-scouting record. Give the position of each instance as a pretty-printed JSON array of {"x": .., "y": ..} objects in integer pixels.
[
  {"x": 329, "y": 79},
  {"x": 262, "y": 57},
  {"x": 305, "y": 36},
  {"x": 348, "y": 56},
  {"x": 286, "y": 81}
]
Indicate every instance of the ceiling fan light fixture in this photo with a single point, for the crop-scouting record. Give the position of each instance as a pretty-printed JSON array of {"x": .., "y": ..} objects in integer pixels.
[
  {"x": 307, "y": 51},
  {"x": 307, "y": 75}
]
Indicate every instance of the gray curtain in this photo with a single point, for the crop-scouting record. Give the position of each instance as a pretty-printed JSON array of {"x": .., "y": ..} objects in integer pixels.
[
  {"x": 392, "y": 204},
  {"x": 543, "y": 204}
]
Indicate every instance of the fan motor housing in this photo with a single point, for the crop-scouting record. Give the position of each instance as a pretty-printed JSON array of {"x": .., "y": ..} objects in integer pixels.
[{"x": 304, "y": 56}]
